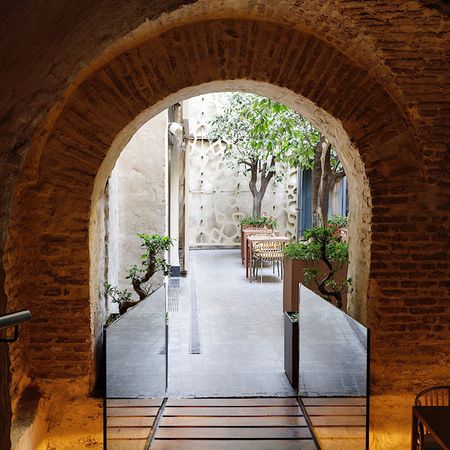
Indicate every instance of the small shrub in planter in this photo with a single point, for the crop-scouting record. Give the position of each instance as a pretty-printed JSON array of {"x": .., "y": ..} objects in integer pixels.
[
  {"x": 262, "y": 221},
  {"x": 152, "y": 261},
  {"x": 322, "y": 244}
]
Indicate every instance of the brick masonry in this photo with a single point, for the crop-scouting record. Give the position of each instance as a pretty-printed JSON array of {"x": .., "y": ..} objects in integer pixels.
[{"x": 380, "y": 68}]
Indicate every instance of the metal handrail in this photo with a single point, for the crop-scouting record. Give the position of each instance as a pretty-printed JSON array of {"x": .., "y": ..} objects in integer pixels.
[{"x": 14, "y": 320}]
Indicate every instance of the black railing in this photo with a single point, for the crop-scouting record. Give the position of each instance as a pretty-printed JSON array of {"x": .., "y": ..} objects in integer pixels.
[{"x": 13, "y": 320}]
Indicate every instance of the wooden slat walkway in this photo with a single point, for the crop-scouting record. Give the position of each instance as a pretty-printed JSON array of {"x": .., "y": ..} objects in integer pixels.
[
  {"x": 129, "y": 422},
  {"x": 339, "y": 423},
  {"x": 233, "y": 423},
  {"x": 236, "y": 423}
]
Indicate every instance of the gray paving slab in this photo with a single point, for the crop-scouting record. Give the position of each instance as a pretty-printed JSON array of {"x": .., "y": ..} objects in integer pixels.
[
  {"x": 135, "y": 366},
  {"x": 240, "y": 328},
  {"x": 229, "y": 341},
  {"x": 333, "y": 350}
]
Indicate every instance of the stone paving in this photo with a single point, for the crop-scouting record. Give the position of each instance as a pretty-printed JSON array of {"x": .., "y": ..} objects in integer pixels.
[
  {"x": 226, "y": 339},
  {"x": 135, "y": 351},
  {"x": 240, "y": 327},
  {"x": 333, "y": 350}
]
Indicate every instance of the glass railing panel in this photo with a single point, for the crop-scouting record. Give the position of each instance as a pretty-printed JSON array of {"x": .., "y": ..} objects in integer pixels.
[
  {"x": 136, "y": 350},
  {"x": 333, "y": 365}
]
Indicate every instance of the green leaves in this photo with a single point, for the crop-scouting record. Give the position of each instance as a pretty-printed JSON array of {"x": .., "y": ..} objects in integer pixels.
[
  {"x": 153, "y": 245},
  {"x": 322, "y": 244},
  {"x": 301, "y": 250},
  {"x": 116, "y": 294},
  {"x": 151, "y": 262},
  {"x": 338, "y": 221},
  {"x": 270, "y": 222},
  {"x": 315, "y": 241},
  {"x": 257, "y": 130}
]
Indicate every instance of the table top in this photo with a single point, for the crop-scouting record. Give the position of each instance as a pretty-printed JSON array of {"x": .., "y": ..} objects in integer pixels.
[
  {"x": 255, "y": 238},
  {"x": 437, "y": 420}
]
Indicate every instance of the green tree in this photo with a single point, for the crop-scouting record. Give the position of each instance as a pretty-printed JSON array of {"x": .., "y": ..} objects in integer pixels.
[
  {"x": 327, "y": 171},
  {"x": 259, "y": 133},
  {"x": 152, "y": 261}
]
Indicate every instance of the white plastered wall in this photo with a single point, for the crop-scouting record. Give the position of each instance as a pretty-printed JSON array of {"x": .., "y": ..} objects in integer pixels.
[
  {"x": 137, "y": 200},
  {"x": 220, "y": 196}
]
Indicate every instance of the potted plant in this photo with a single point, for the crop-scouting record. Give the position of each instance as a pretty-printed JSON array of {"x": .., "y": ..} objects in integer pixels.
[
  {"x": 152, "y": 261},
  {"x": 259, "y": 222},
  {"x": 291, "y": 347},
  {"x": 319, "y": 262}
]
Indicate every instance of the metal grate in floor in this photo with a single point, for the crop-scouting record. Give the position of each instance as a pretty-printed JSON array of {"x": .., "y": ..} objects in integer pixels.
[
  {"x": 195, "y": 347},
  {"x": 173, "y": 294}
]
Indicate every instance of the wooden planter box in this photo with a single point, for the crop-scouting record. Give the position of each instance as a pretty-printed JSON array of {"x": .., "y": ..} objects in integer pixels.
[
  {"x": 294, "y": 275},
  {"x": 291, "y": 350}
]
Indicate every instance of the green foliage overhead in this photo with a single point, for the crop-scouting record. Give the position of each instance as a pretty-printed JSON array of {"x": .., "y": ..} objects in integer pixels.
[
  {"x": 257, "y": 130},
  {"x": 259, "y": 221}
]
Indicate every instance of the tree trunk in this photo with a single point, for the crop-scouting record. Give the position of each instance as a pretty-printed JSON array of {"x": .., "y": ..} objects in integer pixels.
[
  {"x": 316, "y": 176},
  {"x": 124, "y": 306},
  {"x": 265, "y": 179},
  {"x": 259, "y": 195},
  {"x": 257, "y": 202},
  {"x": 324, "y": 186}
]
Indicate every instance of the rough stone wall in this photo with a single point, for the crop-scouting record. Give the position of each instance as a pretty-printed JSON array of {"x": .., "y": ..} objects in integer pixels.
[
  {"x": 219, "y": 195},
  {"x": 380, "y": 68},
  {"x": 137, "y": 200},
  {"x": 65, "y": 134},
  {"x": 5, "y": 378}
]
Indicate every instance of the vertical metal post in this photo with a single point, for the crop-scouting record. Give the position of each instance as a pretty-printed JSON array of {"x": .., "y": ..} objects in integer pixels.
[
  {"x": 299, "y": 203},
  {"x": 368, "y": 392},
  {"x": 166, "y": 287},
  {"x": 105, "y": 378}
]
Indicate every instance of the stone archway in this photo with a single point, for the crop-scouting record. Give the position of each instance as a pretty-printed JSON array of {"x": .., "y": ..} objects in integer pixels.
[{"x": 50, "y": 218}]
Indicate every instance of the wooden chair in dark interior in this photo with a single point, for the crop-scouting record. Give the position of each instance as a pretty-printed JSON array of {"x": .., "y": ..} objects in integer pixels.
[{"x": 433, "y": 396}]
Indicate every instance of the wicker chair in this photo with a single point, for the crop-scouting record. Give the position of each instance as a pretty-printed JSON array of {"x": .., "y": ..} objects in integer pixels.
[
  {"x": 434, "y": 396},
  {"x": 270, "y": 251},
  {"x": 255, "y": 231}
]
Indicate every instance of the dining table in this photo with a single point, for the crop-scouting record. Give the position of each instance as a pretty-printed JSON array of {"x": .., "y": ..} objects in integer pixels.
[
  {"x": 250, "y": 232},
  {"x": 435, "y": 419},
  {"x": 251, "y": 241}
]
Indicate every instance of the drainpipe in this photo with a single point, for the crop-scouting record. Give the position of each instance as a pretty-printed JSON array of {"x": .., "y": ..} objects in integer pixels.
[
  {"x": 176, "y": 152},
  {"x": 299, "y": 203}
]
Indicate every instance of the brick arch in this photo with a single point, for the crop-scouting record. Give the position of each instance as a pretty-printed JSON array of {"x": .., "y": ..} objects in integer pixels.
[{"x": 48, "y": 257}]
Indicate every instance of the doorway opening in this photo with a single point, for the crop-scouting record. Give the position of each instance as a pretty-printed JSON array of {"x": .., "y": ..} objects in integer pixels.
[{"x": 226, "y": 336}]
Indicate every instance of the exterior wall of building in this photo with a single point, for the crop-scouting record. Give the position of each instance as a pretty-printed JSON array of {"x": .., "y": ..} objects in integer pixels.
[
  {"x": 136, "y": 200},
  {"x": 220, "y": 196}
]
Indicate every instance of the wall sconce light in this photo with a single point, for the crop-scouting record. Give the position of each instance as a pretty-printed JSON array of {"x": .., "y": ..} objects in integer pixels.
[{"x": 13, "y": 320}]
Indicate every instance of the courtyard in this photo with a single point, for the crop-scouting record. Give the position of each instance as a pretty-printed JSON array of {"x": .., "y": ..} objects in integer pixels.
[{"x": 226, "y": 339}]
